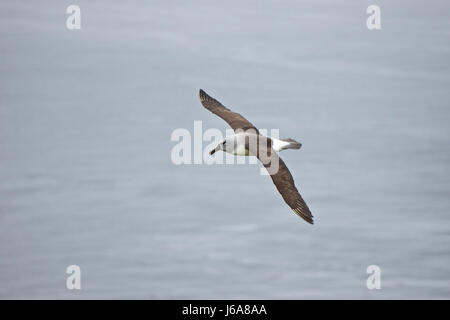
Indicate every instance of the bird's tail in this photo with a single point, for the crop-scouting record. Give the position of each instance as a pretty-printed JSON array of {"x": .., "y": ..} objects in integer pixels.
[{"x": 292, "y": 144}]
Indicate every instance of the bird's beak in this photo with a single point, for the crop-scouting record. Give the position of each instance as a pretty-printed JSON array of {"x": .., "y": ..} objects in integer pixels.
[{"x": 214, "y": 150}]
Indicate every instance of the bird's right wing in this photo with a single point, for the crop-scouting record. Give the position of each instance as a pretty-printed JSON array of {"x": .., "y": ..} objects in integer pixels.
[
  {"x": 261, "y": 147},
  {"x": 234, "y": 119}
]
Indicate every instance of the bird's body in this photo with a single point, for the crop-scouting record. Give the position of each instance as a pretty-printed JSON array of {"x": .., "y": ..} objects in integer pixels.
[
  {"x": 237, "y": 143},
  {"x": 248, "y": 141}
]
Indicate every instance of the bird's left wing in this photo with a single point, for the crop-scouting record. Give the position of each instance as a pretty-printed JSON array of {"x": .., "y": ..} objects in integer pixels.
[
  {"x": 280, "y": 174},
  {"x": 285, "y": 184}
]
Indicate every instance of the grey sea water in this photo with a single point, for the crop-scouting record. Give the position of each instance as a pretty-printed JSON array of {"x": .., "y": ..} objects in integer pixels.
[{"x": 86, "y": 176}]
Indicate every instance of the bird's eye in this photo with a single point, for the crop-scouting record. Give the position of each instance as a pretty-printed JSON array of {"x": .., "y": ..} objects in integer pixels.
[{"x": 224, "y": 143}]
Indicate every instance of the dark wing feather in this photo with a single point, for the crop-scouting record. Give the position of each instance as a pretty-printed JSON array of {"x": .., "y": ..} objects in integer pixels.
[
  {"x": 280, "y": 175},
  {"x": 234, "y": 119},
  {"x": 285, "y": 184}
]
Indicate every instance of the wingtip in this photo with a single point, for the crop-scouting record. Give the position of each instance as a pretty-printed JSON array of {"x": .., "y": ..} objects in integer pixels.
[
  {"x": 307, "y": 217},
  {"x": 201, "y": 94},
  {"x": 204, "y": 96}
]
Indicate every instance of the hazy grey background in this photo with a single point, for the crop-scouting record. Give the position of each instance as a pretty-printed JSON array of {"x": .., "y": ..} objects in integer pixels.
[{"x": 85, "y": 171}]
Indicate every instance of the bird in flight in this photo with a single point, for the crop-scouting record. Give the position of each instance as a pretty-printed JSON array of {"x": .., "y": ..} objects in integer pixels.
[{"x": 248, "y": 141}]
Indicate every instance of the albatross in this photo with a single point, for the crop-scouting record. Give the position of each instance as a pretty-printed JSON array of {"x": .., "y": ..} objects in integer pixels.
[{"x": 248, "y": 141}]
